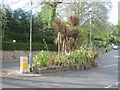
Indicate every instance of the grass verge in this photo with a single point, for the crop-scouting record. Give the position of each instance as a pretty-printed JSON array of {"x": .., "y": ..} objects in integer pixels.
[{"x": 107, "y": 51}]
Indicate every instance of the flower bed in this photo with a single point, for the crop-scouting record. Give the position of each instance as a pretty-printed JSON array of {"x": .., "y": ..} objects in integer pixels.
[
  {"x": 54, "y": 69},
  {"x": 82, "y": 59}
]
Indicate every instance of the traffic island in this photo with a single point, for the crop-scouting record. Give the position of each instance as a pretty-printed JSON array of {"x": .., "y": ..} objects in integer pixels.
[
  {"x": 55, "y": 69},
  {"x": 81, "y": 59}
]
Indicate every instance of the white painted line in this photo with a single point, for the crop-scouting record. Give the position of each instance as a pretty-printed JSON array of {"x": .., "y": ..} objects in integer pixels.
[
  {"x": 108, "y": 86},
  {"x": 116, "y": 82},
  {"x": 109, "y": 65},
  {"x": 111, "y": 85}
]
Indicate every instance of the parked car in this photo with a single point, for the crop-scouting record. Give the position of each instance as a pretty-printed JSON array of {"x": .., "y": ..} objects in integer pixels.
[{"x": 115, "y": 47}]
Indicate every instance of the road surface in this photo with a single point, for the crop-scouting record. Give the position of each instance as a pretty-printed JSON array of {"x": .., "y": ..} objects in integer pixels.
[{"x": 103, "y": 76}]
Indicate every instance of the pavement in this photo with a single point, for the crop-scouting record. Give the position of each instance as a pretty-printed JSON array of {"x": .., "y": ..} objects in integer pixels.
[{"x": 103, "y": 76}]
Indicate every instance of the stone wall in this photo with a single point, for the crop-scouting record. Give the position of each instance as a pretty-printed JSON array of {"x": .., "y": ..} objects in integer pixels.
[{"x": 15, "y": 55}]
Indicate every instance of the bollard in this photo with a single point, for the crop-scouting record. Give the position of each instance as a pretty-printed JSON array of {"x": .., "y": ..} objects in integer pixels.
[{"x": 24, "y": 64}]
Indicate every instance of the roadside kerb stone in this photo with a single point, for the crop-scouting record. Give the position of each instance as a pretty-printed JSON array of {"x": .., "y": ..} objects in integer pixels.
[{"x": 19, "y": 74}]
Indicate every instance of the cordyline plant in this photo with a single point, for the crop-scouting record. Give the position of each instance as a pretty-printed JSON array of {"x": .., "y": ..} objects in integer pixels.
[
  {"x": 74, "y": 22},
  {"x": 65, "y": 34},
  {"x": 75, "y": 59}
]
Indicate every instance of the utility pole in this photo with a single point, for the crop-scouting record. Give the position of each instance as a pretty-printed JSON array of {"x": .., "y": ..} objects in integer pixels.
[{"x": 30, "y": 57}]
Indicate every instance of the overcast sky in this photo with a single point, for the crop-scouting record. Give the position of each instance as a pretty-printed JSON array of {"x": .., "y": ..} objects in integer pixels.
[
  {"x": 113, "y": 15},
  {"x": 114, "y": 12}
]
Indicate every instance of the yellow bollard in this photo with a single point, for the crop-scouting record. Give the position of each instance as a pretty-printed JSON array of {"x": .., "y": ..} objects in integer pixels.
[{"x": 24, "y": 64}]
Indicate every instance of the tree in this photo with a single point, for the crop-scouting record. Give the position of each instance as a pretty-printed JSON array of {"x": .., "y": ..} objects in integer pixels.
[
  {"x": 4, "y": 20},
  {"x": 0, "y": 22},
  {"x": 53, "y": 6},
  {"x": 115, "y": 33},
  {"x": 16, "y": 22},
  {"x": 99, "y": 17}
]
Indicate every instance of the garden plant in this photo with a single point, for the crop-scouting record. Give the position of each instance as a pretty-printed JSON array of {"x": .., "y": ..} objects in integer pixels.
[
  {"x": 70, "y": 56},
  {"x": 80, "y": 59}
]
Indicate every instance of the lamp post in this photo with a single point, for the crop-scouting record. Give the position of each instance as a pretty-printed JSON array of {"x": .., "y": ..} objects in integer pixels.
[
  {"x": 14, "y": 48},
  {"x": 30, "y": 57},
  {"x": 14, "y": 44},
  {"x": 90, "y": 10}
]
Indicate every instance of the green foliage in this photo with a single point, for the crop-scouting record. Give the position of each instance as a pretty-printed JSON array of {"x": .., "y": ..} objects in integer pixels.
[
  {"x": 42, "y": 58},
  {"x": 107, "y": 51},
  {"x": 16, "y": 23},
  {"x": 4, "y": 21},
  {"x": 115, "y": 36},
  {"x": 49, "y": 11},
  {"x": 81, "y": 56},
  {"x": 17, "y": 27},
  {"x": 100, "y": 27},
  {"x": 45, "y": 12},
  {"x": 26, "y": 46}
]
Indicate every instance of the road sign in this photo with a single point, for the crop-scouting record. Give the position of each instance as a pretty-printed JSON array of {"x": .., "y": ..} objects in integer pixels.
[{"x": 23, "y": 64}]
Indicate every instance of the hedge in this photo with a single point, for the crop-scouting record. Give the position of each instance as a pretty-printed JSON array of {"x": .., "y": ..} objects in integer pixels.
[
  {"x": 24, "y": 37},
  {"x": 26, "y": 46}
]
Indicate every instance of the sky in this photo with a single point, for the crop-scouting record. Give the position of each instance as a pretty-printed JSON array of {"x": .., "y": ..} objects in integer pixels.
[{"x": 113, "y": 14}]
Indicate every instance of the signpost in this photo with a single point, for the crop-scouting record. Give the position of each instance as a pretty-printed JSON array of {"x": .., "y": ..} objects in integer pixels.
[
  {"x": 30, "y": 57},
  {"x": 23, "y": 64}
]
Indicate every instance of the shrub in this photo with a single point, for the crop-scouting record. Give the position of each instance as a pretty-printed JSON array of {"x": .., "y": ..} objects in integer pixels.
[
  {"x": 39, "y": 38},
  {"x": 43, "y": 59},
  {"x": 81, "y": 56},
  {"x": 26, "y": 46}
]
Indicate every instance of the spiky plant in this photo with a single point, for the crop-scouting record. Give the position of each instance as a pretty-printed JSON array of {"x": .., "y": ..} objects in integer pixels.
[
  {"x": 66, "y": 38},
  {"x": 74, "y": 21},
  {"x": 75, "y": 35},
  {"x": 65, "y": 34},
  {"x": 58, "y": 25}
]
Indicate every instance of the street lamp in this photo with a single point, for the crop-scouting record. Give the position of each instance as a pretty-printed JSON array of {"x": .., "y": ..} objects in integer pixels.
[
  {"x": 14, "y": 47},
  {"x": 14, "y": 44},
  {"x": 90, "y": 10}
]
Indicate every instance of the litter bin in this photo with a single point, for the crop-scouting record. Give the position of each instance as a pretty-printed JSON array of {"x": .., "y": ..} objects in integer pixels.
[{"x": 23, "y": 64}]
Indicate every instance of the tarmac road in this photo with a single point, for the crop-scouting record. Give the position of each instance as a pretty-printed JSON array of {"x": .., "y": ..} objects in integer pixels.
[{"x": 103, "y": 76}]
